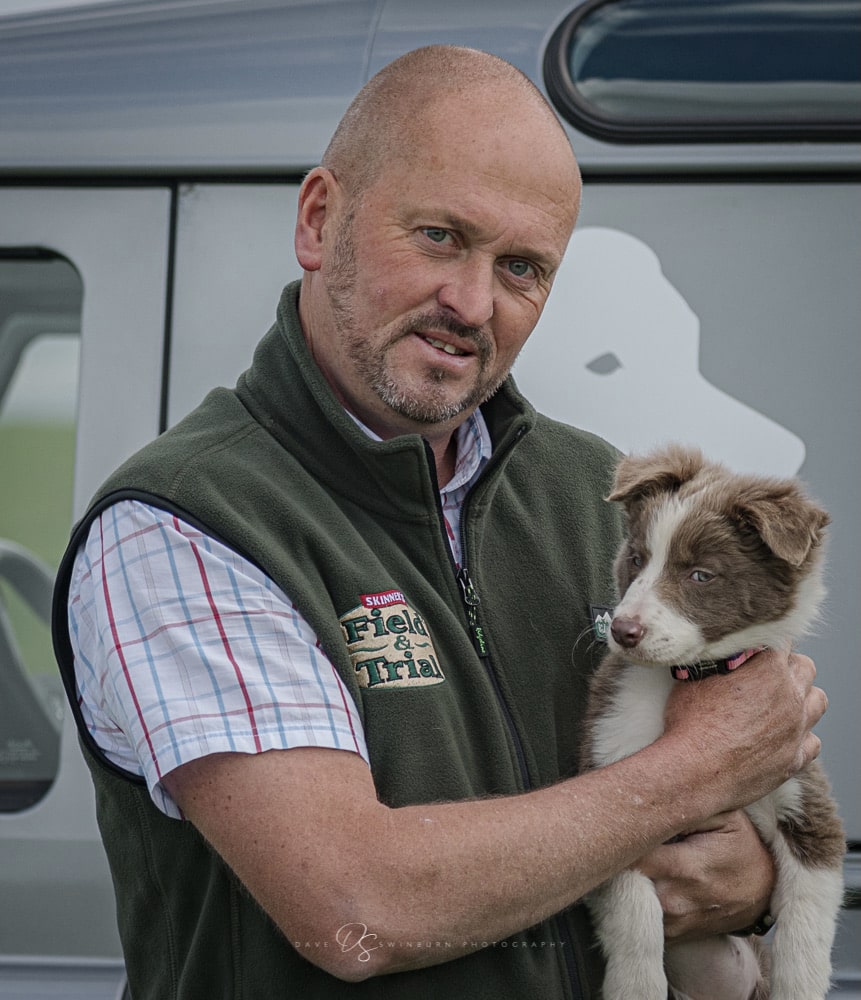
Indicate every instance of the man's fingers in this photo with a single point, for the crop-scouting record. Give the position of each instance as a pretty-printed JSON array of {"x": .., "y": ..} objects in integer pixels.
[
  {"x": 816, "y": 705},
  {"x": 810, "y": 750},
  {"x": 822, "y": 702}
]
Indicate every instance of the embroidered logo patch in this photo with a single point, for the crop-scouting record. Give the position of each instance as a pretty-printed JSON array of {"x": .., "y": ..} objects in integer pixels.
[
  {"x": 389, "y": 643},
  {"x": 602, "y": 616}
]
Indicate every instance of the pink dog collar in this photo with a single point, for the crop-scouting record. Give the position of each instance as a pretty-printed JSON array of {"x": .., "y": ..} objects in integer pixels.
[{"x": 696, "y": 671}]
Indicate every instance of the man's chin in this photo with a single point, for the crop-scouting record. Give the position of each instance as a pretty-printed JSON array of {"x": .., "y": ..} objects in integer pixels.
[
  {"x": 427, "y": 415},
  {"x": 428, "y": 406}
]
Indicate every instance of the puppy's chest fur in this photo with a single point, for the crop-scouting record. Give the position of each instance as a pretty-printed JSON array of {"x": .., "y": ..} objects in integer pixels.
[{"x": 626, "y": 709}]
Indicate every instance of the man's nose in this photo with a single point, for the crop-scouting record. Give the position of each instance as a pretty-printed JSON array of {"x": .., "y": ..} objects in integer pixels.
[{"x": 468, "y": 290}]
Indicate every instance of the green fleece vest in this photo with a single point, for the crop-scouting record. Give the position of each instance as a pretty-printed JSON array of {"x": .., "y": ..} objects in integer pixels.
[{"x": 468, "y": 684}]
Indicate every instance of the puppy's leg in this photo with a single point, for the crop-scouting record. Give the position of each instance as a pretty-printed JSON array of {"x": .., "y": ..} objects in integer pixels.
[
  {"x": 806, "y": 904},
  {"x": 720, "y": 965},
  {"x": 800, "y": 824},
  {"x": 630, "y": 928}
]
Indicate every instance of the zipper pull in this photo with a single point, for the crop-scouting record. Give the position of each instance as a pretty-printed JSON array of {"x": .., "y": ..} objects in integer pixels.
[{"x": 471, "y": 602}]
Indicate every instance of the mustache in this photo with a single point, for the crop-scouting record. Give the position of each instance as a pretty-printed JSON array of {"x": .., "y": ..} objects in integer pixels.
[{"x": 447, "y": 323}]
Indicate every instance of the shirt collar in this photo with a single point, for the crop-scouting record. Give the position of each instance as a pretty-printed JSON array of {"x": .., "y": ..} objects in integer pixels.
[{"x": 473, "y": 451}]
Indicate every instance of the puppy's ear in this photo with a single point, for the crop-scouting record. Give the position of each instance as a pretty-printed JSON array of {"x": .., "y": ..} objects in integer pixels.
[
  {"x": 664, "y": 471},
  {"x": 789, "y": 522}
]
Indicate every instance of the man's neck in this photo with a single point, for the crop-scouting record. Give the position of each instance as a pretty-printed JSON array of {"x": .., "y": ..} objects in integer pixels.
[{"x": 445, "y": 454}]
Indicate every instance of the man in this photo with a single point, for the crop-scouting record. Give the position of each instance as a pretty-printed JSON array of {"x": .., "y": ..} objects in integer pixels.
[{"x": 326, "y": 637}]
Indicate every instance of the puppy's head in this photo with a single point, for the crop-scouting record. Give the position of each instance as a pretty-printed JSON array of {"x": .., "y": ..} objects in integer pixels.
[{"x": 714, "y": 560}]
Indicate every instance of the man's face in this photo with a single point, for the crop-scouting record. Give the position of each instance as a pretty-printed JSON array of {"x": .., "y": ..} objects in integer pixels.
[{"x": 437, "y": 275}]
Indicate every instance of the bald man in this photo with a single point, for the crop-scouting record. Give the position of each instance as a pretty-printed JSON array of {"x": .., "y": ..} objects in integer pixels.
[{"x": 325, "y": 639}]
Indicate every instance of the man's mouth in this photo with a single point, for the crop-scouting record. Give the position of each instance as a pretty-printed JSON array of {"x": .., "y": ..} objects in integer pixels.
[{"x": 443, "y": 346}]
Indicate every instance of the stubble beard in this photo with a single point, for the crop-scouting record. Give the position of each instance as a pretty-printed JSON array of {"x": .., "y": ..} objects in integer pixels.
[{"x": 430, "y": 403}]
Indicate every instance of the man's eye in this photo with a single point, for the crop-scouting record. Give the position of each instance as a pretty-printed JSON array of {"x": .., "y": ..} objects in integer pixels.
[
  {"x": 436, "y": 235},
  {"x": 521, "y": 268}
]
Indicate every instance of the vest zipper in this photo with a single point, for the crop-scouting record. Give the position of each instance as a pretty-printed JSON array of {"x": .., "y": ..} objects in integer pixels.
[{"x": 471, "y": 603}]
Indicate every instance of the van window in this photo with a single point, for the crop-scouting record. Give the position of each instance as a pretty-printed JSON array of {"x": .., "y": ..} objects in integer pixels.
[
  {"x": 40, "y": 318},
  {"x": 719, "y": 70}
]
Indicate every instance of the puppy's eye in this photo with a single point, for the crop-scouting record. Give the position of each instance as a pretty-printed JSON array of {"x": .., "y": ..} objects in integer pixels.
[
  {"x": 636, "y": 560},
  {"x": 702, "y": 576}
]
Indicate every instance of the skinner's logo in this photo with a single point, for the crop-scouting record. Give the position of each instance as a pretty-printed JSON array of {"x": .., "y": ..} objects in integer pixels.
[
  {"x": 602, "y": 617},
  {"x": 389, "y": 643}
]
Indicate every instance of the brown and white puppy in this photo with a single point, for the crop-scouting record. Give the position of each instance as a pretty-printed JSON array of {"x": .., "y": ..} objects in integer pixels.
[{"x": 715, "y": 566}]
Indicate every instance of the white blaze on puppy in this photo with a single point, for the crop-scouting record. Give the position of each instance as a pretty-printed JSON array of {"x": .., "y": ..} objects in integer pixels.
[{"x": 669, "y": 636}]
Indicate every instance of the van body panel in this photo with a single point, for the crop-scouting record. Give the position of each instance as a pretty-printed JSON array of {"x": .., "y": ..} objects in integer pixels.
[
  {"x": 180, "y": 86},
  {"x": 256, "y": 86}
]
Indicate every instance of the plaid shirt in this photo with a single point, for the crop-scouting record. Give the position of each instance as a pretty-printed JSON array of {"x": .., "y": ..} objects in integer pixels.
[{"x": 183, "y": 648}]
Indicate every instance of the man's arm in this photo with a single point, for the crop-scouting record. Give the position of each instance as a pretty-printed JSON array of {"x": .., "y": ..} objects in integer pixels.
[{"x": 305, "y": 832}]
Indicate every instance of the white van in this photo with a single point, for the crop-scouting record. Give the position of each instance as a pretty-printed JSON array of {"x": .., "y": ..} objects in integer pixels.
[{"x": 150, "y": 157}]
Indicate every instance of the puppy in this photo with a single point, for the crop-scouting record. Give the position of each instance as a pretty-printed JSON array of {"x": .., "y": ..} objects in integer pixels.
[{"x": 716, "y": 566}]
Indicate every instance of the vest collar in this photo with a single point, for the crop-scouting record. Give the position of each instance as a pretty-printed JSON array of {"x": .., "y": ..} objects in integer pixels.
[{"x": 286, "y": 392}]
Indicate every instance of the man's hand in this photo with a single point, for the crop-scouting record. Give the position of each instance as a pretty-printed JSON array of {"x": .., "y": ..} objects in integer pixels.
[
  {"x": 716, "y": 880},
  {"x": 752, "y": 729}
]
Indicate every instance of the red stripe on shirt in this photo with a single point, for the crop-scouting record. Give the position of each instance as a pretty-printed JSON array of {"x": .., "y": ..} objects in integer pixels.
[
  {"x": 347, "y": 711},
  {"x": 258, "y": 746}
]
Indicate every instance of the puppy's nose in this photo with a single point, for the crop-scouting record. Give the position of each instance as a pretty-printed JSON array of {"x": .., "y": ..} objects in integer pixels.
[{"x": 627, "y": 631}]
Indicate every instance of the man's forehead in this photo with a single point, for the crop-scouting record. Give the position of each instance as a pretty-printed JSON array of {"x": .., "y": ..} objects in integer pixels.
[{"x": 494, "y": 118}]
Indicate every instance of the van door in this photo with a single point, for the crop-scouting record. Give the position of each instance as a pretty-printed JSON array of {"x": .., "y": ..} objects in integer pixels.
[{"x": 83, "y": 275}]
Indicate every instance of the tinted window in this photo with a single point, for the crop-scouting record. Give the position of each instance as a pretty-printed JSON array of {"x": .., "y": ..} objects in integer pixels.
[
  {"x": 719, "y": 70},
  {"x": 40, "y": 315}
]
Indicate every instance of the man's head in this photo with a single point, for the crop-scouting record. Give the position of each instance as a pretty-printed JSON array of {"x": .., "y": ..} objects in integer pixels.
[{"x": 430, "y": 235}]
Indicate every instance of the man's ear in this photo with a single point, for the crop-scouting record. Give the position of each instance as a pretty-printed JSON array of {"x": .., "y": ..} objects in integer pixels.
[{"x": 317, "y": 198}]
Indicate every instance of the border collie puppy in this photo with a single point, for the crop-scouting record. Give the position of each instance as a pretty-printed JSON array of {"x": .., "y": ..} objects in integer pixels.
[{"x": 715, "y": 567}]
